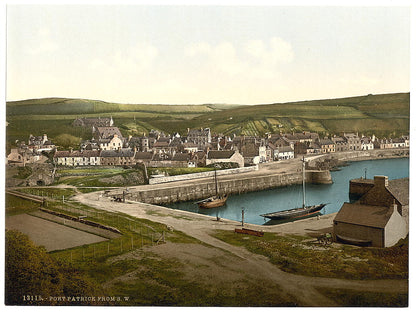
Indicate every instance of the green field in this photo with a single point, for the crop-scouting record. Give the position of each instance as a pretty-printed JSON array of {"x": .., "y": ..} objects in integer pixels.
[{"x": 383, "y": 115}]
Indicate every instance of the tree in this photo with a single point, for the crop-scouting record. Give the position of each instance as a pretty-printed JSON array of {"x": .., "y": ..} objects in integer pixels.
[
  {"x": 31, "y": 271},
  {"x": 67, "y": 141}
]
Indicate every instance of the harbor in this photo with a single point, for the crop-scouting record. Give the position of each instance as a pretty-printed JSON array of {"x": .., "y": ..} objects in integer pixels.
[{"x": 256, "y": 203}]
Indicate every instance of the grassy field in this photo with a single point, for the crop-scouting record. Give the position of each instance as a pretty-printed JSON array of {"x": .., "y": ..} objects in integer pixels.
[
  {"x": 100, "y": 177},
  {"x": 382, "y": 115},
  {"x": 126, "y": 265},
  {"x": 304, "y": 256}
]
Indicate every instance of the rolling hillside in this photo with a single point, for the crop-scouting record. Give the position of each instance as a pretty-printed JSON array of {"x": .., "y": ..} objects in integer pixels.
[{"x": 382, "y": 115}]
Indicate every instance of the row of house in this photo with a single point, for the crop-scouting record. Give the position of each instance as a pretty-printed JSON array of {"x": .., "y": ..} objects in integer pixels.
[
  {"x": 131, "y": 157},
  {"x": 162, "y": 148},
  {"x": 32, "y": 151}
]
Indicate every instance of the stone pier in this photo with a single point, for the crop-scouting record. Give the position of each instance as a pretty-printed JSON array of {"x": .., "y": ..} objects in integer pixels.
[{"x": 190, "y": 191}]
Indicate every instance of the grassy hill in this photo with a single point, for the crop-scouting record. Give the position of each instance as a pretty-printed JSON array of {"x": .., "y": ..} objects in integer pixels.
[{"x": 382, "y": 115}]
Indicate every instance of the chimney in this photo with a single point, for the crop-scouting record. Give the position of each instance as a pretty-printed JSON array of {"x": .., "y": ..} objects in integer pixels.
[
  {"x": 394, "y": 207},
  {"x": 381, "y": 181}
]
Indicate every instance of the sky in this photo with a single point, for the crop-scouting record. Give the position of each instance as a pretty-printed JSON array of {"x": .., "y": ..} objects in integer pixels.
[{"x": 183, "y": 54}]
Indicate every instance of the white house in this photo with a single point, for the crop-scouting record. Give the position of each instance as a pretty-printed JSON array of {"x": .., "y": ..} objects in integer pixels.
[
  {"x": 77, "y": 158},
  {"x": 367, "y": 144},
  {"x": 225, "y": 156},
  {"x": 112, "y": 143},
  {"x": 285, "y": 153}
]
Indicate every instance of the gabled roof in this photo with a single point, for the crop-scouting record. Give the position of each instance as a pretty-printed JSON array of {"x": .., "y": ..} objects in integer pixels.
[
  {"x": 326, "y": 141},
  {"x": 399, "y": 188},
  {"x": 76, "y": 154},
  {"x": 117, "y": 153},
  {"x": 107, "y": 132},
  {"x": 143, "y": 155},
  {"x": 285, "y": 149},
  {"x": 217, "y": 154},
  {"x": 181, "y": 157},
  {"x": 190, "y": 144},
  {"x": 301, "y": 136},
  {"x": 365, "y": 215},
  {"x": 161, "y": 144},
  {"x": 199, "y": 132}
]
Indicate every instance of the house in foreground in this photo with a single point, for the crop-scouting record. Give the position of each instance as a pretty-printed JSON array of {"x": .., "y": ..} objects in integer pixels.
[{"x": 380, "y": 218}]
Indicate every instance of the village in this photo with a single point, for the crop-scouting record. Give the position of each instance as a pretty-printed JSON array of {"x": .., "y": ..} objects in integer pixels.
[
  {"x": 383, "y": 204},
  {"x": 196, "y": 148}
]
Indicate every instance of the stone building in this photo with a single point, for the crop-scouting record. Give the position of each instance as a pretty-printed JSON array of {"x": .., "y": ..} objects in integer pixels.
[
  {"x": 37, "y": 144},
  {"x": 327, "y": 145},
  {"x": 93, "y": 122},
  {"x": 341, "y": 143},
  {"x": 353, "y": 141},
  {"x": 380, "y": 218},
  {"x": 225, "y": 156},
  {"x": 285, "y": 153},
  {"x": 123, "y": 156},
  {"x": 201, "y": 137},
  {"x": 77, "y": 158}
]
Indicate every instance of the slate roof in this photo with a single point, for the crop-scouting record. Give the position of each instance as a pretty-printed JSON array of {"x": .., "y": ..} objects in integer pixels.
[
  {"x": 338, "y": 140},
  {"x": 399, "y": 188},
  {"x": 91, "y": 121},
  {"x": 199, "y": 132},
  {"x": 76, "y": 154},
  {"x": 224, "y": 154},
  {"x": 301, "y": 136},
  {"x": 143, "y": 155},
  {"x": 365, "y": 215},
  {"x": 181, "y": 157},
  {"x": 117, "y": 153},
  {"x": 285, "y": 149},
  {"x": 107, "y": 132},
  {"x": 326, "y": 141}
]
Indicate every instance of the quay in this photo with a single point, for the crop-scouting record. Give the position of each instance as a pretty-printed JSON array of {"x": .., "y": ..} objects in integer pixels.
[{"x": 267, "y": 177}]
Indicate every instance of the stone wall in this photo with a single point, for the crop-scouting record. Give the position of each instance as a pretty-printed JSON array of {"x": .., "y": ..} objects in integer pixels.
[
  {"x": 359, "y": 155},
  {"x": 358, "y": 187},
  {"x": 192, "y": 192},
  {"x": 166, "y": 179}
]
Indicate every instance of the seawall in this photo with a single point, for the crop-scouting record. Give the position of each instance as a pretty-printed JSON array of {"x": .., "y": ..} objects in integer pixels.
[
  {"x": 361, "y": 155},
  {"x": 167, "y": 179},
  {"x": 189, "y": 191}
]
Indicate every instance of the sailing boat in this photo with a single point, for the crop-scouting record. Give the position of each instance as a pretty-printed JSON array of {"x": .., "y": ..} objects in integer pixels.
[
  {"x": 297, "y": 213},
  {"x": 214, "y": 201}
]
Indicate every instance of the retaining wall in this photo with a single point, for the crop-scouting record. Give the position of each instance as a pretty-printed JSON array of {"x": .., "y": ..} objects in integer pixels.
[
  {"x": 191, "y": 192},
  {"x": 166, "y": 179}
]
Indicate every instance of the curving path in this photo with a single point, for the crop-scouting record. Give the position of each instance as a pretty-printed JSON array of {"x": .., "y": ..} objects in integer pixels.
[{"x": 301, "y": 288}]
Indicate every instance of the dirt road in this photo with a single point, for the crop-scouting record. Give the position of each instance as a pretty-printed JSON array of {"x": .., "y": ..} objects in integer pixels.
[{"x": 302, "y": 289}]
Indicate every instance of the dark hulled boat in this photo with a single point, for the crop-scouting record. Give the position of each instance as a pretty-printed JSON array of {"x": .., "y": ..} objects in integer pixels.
[
  {"x": 297, "y": 213},
  {"x": 214, "y": 201}
]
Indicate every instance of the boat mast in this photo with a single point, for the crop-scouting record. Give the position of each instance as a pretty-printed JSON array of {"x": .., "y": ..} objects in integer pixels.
[
  {"x": 303, "y": 181},
  {"x": 216, "y": 185}
]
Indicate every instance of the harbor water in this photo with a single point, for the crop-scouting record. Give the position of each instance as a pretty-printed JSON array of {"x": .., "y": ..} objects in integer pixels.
[{"x": 289, "y": 197}]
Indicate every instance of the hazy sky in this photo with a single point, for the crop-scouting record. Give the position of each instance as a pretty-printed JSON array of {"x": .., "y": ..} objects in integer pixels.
[{"x": 206, "y": 54}]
